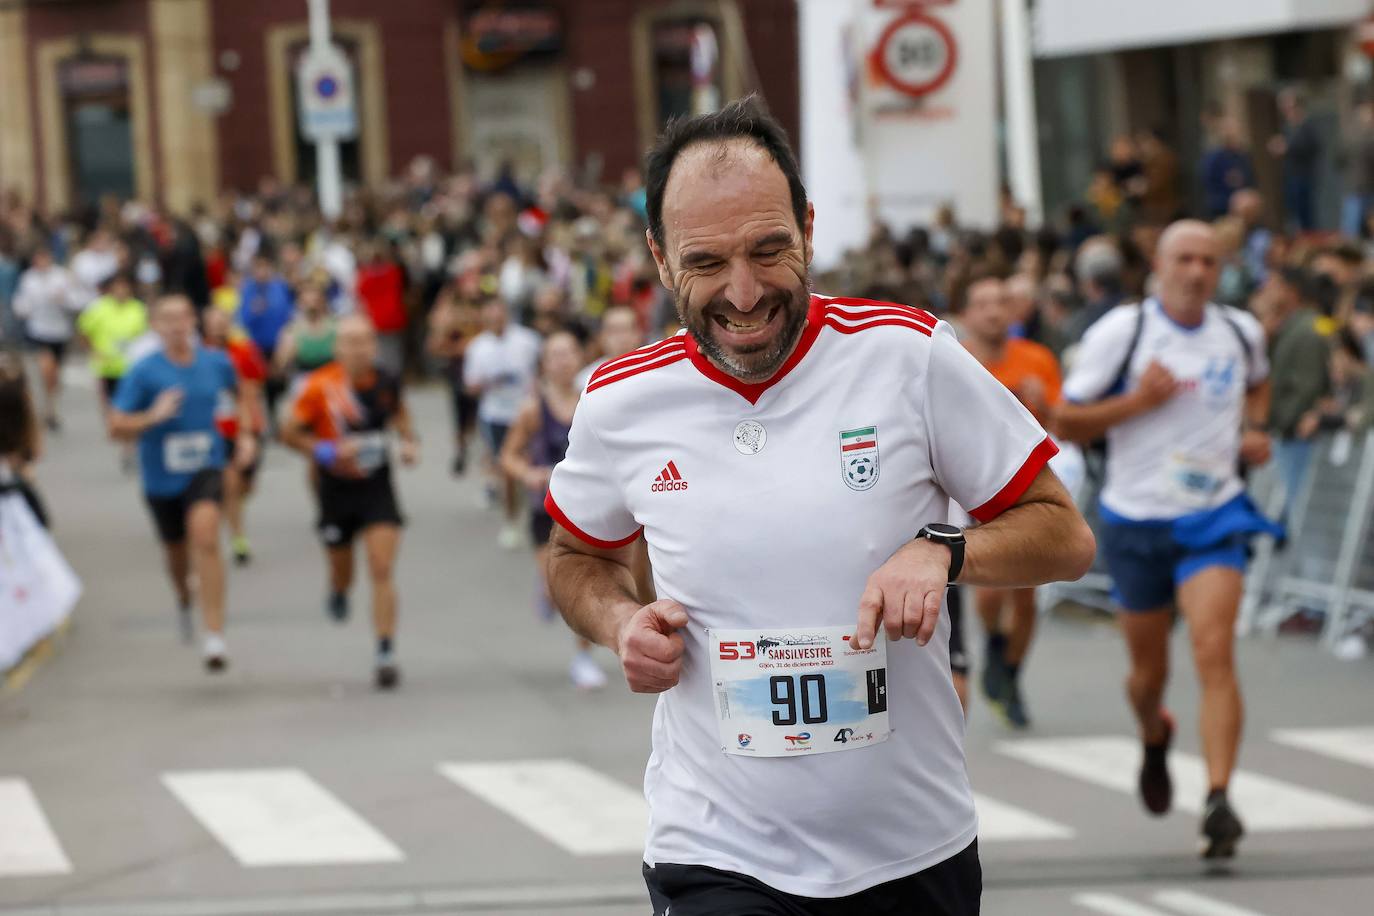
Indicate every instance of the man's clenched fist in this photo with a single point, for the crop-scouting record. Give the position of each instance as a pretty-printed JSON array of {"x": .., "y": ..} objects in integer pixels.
[{"x": 650, "y": 647}]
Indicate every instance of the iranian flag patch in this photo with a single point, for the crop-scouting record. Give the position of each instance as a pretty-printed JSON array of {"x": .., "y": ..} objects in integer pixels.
[{"x": 859, "y": 457}]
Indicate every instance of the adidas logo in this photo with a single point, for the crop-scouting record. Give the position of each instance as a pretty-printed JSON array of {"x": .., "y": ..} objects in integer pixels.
[{"x": 669, "y": 479}]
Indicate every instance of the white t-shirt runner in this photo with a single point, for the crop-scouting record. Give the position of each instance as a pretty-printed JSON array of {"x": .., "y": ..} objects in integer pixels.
[
  {"x": 1182, "y": 457},
  {"x": 766, "y": 507},
  {"x": 505, "y": 366}
]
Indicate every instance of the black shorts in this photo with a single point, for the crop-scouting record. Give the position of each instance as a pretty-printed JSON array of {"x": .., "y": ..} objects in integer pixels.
[
  {"x": 541, "y": 527},
  {"x": 169, "y": 512},
  {"x": 349, "y": 506},
  {"x": 58, "y": 348},
  {"x": 951, "y": 888},
  {"x": 958, "y": 657},
  {"x": 109, "y": 386}
]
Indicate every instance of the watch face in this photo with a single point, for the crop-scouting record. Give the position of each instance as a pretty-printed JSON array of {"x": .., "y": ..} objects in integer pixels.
[{"x": 943, "y": 532}]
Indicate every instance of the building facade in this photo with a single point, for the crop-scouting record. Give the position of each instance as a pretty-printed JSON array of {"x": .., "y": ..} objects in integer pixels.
[
  {"x": 174, "y": 100},
  {"x": 1108, "y": 68}
]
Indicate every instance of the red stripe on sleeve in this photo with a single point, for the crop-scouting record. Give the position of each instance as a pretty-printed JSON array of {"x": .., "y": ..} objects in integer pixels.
[
  {"x": 551, "y": 507},
  {"x": 1019, "y": 483}
]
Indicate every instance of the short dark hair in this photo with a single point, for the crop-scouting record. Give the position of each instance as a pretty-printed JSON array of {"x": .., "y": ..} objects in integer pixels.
[{"x": 741, "y": 120}]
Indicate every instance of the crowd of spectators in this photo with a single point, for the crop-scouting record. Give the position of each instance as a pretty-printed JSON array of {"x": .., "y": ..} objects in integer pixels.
[{"x": 558, "y": 255}]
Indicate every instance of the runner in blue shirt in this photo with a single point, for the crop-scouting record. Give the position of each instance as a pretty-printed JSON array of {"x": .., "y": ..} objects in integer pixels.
[{"x": 169, "y": 402}]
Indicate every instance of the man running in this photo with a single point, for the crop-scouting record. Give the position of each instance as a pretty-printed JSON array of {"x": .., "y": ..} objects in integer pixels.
[
  {"x": 498, "y": 369},
  {"x": 47, "y": 299},
  {"x": 537, "y": 441},
  {"x": 1030, "y": 372},
  {"x": 251, "y": 369},
  {"x": 169, "y": 402},
  {"x": 1180, "y": 387},
  {"x": 340, "y": 421},
  {"x": 111, "y": 324},
  {"x": 781, "y": 457}
]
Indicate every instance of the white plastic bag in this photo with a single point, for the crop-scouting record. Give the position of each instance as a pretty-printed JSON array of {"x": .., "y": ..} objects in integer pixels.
[{"x": 38, "y": 589}]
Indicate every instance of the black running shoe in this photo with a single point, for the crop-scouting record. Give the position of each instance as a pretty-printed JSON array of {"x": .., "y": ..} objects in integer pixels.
[
  {"x": 1221, "y": 829},
  {"x": 995, "y": 673},
  {"x": 337, "y": 607},
  {"x": 388, "y": 674},
  {"x": 1012, "y": 707},
  {"x": 1156, "y": 788}
]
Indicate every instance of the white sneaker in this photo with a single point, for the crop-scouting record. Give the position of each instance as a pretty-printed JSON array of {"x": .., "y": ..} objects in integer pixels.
[
  {"x": 215, "y": 652},
  {"x": 510, "y": 538},
  {"x": 586, "y": 674}
]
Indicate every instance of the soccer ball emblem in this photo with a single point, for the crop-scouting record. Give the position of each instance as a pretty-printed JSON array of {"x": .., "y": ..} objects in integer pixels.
[{"x": 860, "y": 470}]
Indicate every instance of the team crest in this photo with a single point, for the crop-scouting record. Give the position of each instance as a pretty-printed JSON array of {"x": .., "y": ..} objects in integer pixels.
[{"x": 859, "y": 457}]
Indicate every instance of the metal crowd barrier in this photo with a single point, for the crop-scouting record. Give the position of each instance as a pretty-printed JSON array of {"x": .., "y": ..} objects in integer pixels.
[{"x": 1325, "y": 566}]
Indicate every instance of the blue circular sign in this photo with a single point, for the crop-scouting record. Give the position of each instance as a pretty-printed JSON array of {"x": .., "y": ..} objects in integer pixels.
[{"x": 326, "y": 87}]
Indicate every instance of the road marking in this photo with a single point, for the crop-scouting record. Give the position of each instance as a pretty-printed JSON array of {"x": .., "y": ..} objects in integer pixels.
[
  {"x": 27, "y": 844},
  {"x": 1000, "y": 821},
  {"x": 1197, "y": 905},
  {"x": 1263, "y": 803},
  {"x": 567, "y": 803},
  {"x": 439, "y": 902},
  {"x": 1113, "y": 905},
  {"x": 279, "y": 817},
  {"x": 1353, "y": 745}
]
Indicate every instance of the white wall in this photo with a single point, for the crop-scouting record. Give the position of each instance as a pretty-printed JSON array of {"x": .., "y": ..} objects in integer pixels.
[
  {"x": 908, "y": 161},
  {"x": 1065, "y": 27},
  {"x": 831, "y": 165}
]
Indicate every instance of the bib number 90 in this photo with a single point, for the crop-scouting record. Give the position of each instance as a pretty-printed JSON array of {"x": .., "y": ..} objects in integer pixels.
[{"x": 806, "y": 691}]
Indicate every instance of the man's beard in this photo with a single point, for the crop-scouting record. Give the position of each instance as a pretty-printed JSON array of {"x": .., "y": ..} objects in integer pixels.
[{"x": 755, "y": 364}]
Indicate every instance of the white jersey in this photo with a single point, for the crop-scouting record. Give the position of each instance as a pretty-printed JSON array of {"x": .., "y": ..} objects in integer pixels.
[
  {"x": 1183, "y": 457},
  {"x": 768, "y": 506},
  {"x": 504, "y": 367},
  {"x": 48, "y": 300}
]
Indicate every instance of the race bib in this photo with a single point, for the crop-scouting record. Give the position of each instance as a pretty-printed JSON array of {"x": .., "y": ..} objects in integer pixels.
[
  {"x": 797, "y": 691},
  {"x": 1194, "y": 482},
  {"x": 186, "y": 453},
  {"x": 372, "y": 451}
]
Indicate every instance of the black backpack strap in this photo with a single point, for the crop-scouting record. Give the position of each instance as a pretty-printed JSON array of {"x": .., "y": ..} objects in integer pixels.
[
  {"x": 1244, "y": 343},
  {"x": 1118, "y": 384}
]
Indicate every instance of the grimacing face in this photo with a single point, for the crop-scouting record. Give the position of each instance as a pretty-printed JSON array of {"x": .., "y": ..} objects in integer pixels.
[{"x": 734, "y": 257}]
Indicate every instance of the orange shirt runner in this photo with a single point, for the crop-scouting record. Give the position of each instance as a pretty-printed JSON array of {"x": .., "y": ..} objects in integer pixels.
[{"x": 1030, "y": 372}]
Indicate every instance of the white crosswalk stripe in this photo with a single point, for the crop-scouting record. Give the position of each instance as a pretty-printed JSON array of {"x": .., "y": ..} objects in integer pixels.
[
  {"x": 1113, "y": 905},
  {"x": 1193, "y": 904},
  {"x": 567, "y": 803},
  {"x": 279, "y": 817},
  {"x": 1353, "y": 745},
  {"x": 28, "y": 845},
  {"x": 998, "y": 820},
  {"x": 1262, "y": 802}
]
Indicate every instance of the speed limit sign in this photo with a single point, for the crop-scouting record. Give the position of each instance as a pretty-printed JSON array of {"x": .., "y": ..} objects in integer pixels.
[{"x": 915, "y": 54}]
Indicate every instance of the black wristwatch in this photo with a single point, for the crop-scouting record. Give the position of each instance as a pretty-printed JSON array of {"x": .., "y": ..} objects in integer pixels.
[{"x": 951, "y": 537}]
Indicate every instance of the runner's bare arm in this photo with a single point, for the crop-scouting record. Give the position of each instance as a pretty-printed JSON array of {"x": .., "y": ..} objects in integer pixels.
[
  {"x": 596, "y": 590},
  {"x": 1089, "y": 422},
  {"x": 1041, "y": 538},
  {"x": 593, "y": 587},
  {"x": 514, "y": 456},
  {"x": 130, "y": 426},
  {"x": 1257, "y": 401}
]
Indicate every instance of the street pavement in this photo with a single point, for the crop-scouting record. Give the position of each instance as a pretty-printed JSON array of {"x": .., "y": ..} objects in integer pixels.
[{"x": 133, "y": 784}]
